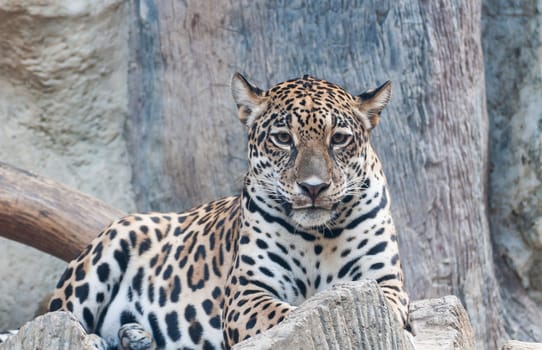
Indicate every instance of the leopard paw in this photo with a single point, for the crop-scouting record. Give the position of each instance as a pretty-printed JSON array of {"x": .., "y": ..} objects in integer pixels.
[{"x": 132, "y": 336}]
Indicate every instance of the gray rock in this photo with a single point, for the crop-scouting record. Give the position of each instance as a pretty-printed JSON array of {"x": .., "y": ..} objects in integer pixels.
[
  {"x": 63, "y": 106},
  {"x": 441, "y": 323},
  {"x": 349, "y": 316},
  {"x": 519, "y": 345},
  {"x": 512, "y": 46},
  {"x": 55, "y": 330},
  {"x": 355, "y": 316}
]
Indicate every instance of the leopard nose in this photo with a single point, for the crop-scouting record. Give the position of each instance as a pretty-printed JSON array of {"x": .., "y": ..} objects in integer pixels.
[{"x": 313, "y": 189}]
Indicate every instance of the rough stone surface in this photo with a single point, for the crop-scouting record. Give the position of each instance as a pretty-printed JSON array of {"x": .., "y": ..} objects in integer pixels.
[
  {"x": 441, "y": 324},
  {"x": 348, "y": 316},
  {"x": 354, "y": 316},
  {"x": 519, "y": 345},
  {"x": 55, "y": 330},
  {"x": 63, "y": 105},
  {"x": 513, "y": 56}
]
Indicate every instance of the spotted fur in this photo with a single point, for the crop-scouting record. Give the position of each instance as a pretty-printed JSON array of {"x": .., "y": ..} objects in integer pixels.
[{"x": 314, "y": 211}]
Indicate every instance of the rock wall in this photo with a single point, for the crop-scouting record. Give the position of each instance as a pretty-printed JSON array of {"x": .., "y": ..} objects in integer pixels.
[
  {"x": 63, "y": 106},
  {"x": 513, "y": 62}
]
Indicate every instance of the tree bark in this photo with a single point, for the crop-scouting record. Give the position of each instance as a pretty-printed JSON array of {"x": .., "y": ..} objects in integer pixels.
[{"x": 47, "y": 215}]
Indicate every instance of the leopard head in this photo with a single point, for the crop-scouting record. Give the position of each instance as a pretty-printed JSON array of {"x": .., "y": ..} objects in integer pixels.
[{"x": 307, "y": 145}]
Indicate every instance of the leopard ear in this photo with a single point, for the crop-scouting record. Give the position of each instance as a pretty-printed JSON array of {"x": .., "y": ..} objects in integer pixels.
[
  {"x": 371, "y": 103},
  {"x": 250, "y": 99}
]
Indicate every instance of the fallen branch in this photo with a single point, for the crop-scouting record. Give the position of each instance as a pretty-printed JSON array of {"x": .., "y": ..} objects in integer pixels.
[{"x": 47, "y": 215}]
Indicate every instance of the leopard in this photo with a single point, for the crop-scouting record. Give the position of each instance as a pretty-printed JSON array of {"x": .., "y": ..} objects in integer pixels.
[{"x": 314, "y": 211}]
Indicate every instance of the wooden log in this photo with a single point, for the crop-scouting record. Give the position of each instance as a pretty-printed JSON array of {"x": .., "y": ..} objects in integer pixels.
[{"x": 47, "y": 215}]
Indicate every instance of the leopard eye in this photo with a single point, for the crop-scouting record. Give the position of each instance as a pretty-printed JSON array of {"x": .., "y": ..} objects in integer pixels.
[
  {"x": 340, "y": 139},
  {"x": 282, "y": 138}
]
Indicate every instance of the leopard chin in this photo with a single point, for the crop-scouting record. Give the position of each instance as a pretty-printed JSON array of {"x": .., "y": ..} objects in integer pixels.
[{"x": 312, "y": 217}]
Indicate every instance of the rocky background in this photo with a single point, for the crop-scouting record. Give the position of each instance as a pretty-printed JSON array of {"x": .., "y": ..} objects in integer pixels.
[
  {"x": 63, "y": 107},
  {"x": 127, "y": 100},
  {"x": 513, "y": 62}
]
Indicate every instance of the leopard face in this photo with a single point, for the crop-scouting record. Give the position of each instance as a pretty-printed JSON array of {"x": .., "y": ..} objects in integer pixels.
[{"x": 308, "y": 143}]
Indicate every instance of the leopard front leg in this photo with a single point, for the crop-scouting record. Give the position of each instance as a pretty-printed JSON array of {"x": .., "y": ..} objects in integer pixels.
[
  {"x": 381, "y": 262},
  {"x": 250, "y": 307}
]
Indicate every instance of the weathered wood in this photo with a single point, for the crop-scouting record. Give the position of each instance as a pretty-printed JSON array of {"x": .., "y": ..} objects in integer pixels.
[{"x": 47, "y": 215}]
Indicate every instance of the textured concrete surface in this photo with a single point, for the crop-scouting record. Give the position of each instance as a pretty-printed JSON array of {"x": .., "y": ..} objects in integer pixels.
[{"x": 63, "y": 106}]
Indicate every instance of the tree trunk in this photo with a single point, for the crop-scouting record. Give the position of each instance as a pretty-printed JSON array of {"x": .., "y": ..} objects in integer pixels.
[{"x": 433, "y": 139}]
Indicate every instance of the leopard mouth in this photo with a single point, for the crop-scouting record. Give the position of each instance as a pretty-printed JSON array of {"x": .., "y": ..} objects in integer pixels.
[
  {"x": 311, "y": 206},
  {"x": 312, "y": 217},
  {"x": 307, "y": 206},
  {"x": 308, "y": 213},
  {"x": 319, "y": 203},
  {"x": 312, "y": 211}
]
